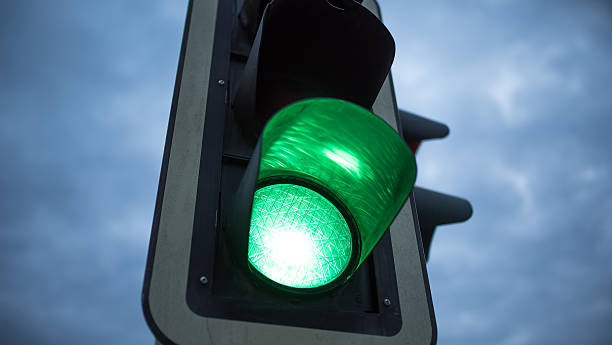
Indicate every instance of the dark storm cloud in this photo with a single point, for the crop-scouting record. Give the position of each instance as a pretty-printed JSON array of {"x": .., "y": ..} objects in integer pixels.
[
  {"x": 85, "y": 93},
  {"x": 85, "y": 96},
  {"x": 524, "y": 87}
]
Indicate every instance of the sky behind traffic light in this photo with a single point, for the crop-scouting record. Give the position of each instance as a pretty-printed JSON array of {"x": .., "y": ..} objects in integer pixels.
[{"x": 525, "y": 88}]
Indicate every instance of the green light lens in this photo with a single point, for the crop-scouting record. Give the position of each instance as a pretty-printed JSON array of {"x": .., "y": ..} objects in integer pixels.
[
  {"x": 297, "y": 237},
  {"x": 348, "y": 151}
]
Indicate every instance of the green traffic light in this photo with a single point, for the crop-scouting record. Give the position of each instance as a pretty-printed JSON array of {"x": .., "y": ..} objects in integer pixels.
[
  {"x": 334, "y": 177},
  {"x": 297, "y": 237}
]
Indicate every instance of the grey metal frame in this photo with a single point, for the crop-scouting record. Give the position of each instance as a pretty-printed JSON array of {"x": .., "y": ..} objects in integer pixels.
[{"x": 165, "y": 306}]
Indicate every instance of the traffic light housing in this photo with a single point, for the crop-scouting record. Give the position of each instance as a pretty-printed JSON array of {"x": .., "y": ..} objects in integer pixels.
[
  {"x": 433, "y": 208},
  {"x": 306, "y": 49},
  {"x": 319, "y": 143},
  {"x": 199, "y": 280},
  {"x": 346, "y": 160},
  {"x": 300, "y": 115}
]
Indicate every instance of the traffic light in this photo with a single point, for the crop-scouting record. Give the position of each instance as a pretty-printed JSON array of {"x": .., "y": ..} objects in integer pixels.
[
  {"x": 282, "y": 173},
  {"x": 329, "y": 153},
  {"x": 330, "y": 178},
  {"x": 433, "y": 208}
]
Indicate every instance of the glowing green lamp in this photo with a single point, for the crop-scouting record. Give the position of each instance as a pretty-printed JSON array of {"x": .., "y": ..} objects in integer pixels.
[{"x": 330, "y": 178}]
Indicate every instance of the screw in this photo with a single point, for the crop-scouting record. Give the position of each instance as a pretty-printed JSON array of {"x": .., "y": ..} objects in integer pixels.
[
  {"x": 387, "y": 302},
  {"x": 221, "y": 82},
  {"x": 203, "y": 280}
]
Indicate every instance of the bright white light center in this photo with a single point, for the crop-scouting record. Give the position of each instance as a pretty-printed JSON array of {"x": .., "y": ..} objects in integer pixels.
[
  {"x": 297, "y": 237},
  {"x": 291, "y": 248}
]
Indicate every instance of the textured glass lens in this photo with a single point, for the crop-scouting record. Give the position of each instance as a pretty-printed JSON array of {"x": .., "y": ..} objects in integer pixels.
[
  {"x": 297, "y": 237},
  {"x": 348, "y": 151}
]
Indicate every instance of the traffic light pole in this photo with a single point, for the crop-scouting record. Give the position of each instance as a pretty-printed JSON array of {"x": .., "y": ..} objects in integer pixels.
[{"x": 168, "y": 314}]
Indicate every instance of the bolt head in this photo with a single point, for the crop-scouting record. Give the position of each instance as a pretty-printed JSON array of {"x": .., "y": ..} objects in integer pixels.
[
  {"x": 387, "y": 302},
  {"x": 221, "y": 82},
  {"x": 203, "y": 280}
]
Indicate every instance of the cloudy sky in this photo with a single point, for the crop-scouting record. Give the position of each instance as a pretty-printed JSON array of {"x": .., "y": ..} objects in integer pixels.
[{"x": 525, "y": 87}]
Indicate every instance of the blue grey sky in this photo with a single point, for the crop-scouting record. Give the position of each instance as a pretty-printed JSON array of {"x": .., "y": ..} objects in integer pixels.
[{"x": 525, "y": 87}]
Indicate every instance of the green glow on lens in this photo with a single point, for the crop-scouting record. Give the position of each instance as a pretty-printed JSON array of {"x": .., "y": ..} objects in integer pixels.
[
  {"x": 345, "y": 160},
  {"x": 297, "y": 237},
  {"x": 349, "y": 152}
]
